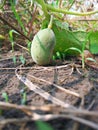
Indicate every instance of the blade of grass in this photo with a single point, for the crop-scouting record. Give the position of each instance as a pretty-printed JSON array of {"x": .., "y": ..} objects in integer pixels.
[
  {"x": 11, "y": 37},
  {"x": 17, "y": 17},
  {"x": 2, "y": 4},
  {"x": 74, "y": 49},
  {"x": 43, "y": 125}
]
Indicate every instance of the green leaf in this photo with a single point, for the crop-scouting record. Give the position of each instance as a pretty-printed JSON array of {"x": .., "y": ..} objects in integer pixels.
[
  {"x": 14, "y": 59},
  {"x": 2, "y": 3},
  {"x": 71, "y": 1},
  {"x": 12, "y": 38},
  {"x": 44, "y": 24},
  {"x": 66, "y": 39},
  {"x": 22, "y": 59},
  {"x": 5, "y": 96},
  {"x": 58, "y": 55},
  {"x": 91, "y": 59},
  {"x": 93, "y": 42},
  {"x": 29, "y": 45},
  {"x": 43, "y": 126},
  {"x": 62, "y": 25},
  {"x": 11, "y": 34},
  {"x": 24, "y": 98},
  {"x": 74, "y": 49}
]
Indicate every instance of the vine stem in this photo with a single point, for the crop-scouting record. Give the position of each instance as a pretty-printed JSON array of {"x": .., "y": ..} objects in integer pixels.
[
  {"x": 46, "y": 7},
  {"x": 49, "y": 7},
  {"x": 51, "y": 22}
]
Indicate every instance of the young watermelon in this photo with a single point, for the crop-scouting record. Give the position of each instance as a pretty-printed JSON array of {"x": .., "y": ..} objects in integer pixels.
[{"x": 42, "y": 46}]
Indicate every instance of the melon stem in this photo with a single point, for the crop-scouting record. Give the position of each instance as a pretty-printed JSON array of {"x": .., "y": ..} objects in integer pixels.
[{"x": 51, "y": 22}]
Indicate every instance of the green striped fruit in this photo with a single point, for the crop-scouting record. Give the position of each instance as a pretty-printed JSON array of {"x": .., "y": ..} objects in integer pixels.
[{"x": 42, "y": 46}]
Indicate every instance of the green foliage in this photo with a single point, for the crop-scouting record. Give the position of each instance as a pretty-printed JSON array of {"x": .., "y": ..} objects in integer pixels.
[
  {"x": 17, "y": 16},
  {"x": 71, "y": 1},
  {"x": 24, "y": 98},
  {"x": 66, "y": 38},
  {"x": 55, "y": 3},
  {"x": 11, "y": 38},
  {"x": 83, "y": 48},
  {"x": 91, "y": 59},
  {"x": 2, "y": 2},
  {"x": 43, "y": 126},
  {"x": 22, "y": 59},
  {"x": 62, "y": 25},
  {"x": 5, "y": 96},
  {"x": 93, "y": 42},
  {"x": 58, "y": 55},
  {"x": 14, "y": 59},
  {"x": 29, "y": 46},
  {"x": 72, "y": 42}
]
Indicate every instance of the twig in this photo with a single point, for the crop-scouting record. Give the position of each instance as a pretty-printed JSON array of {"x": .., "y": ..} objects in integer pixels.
[
  {"x": 4, "y": 105},
  {"x": 82, "y": 19},
  {"x": 50, "y": 107},
  {"x": 32, "y": 20},
  {"x": 78, "y": 119},
  {"x": 14, "y": 120},
  {"x": 59, "y": 10},
  {"x": 42, "y": 93},
  {"x": 22, "y": 47},
  {"x": 57, "y": 86},
  {"x": 49, "y": 117}
]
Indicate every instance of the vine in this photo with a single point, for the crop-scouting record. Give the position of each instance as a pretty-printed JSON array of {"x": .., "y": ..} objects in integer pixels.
[{"x": 46, "y": 7}]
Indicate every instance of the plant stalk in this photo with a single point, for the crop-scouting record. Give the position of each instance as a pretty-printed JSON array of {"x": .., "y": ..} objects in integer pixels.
[
  {"x": 59, "y": 10},
  {"x": 51, "y": 22}
]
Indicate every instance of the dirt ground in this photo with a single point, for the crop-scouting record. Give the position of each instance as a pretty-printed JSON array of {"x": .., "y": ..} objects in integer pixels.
[{"x": 66, "y": 74}]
